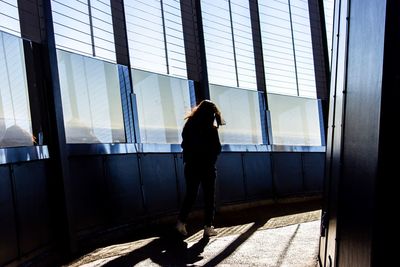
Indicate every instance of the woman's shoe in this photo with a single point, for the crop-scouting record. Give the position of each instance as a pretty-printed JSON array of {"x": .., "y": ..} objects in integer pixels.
[
  {"x": 210, "y": 231},
  {"x": 181, "y": 228}
]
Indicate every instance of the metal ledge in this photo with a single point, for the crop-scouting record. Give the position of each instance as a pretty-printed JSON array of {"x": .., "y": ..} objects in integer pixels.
[
  {"x": 130, "y": 148},
  {"x": 22, "y": 154}
]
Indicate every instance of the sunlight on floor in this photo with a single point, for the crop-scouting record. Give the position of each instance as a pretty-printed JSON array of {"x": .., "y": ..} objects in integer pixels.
[{"x": 290, "y": 240}]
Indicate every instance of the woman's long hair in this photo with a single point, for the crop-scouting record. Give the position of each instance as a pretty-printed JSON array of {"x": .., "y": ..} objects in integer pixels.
[{"x": 206, "y": 113}]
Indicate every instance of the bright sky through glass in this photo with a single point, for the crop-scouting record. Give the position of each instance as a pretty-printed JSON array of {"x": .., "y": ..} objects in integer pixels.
[
  {"x": 76, "y": 31},
  {"x": 9, "y": 17}
]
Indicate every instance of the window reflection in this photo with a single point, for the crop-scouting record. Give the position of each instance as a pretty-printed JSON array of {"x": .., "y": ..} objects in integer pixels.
[
  {"x": 294, "y": 120},
  {"x": 15, "y": 119},
  {"x": 163, "y": 102},
  {"x": 91, "y": 99},
  {"x": 241, "y": 111}
]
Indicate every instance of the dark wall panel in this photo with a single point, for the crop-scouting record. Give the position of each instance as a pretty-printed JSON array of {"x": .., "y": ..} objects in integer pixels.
[
  {"x": 230, "y": 183},
  {"x": 88, "y": 191},
  {"x": 287, "y": 173},
  {"x": 258, "y": 175},
  {"x": 313, "y": 171},
  {"x": 32, "y": 205},
  {"x": 124, "y": 188},
  {"x": 8, "y": 234},
  {"x": 159, "y": 182}
]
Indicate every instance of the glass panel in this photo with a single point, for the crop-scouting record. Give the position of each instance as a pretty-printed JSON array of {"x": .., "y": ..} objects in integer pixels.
[
  {"x": 174, "y": 37},
  {"x": 73, "y": 31},
  {"x": 328, "y": 10},
  {"x": 295, "y": 120},
  {"x": 91, "y": 99},
  {"x": 15, "y": 118},
  {"x": 218, "y": 42},
  {"x": 163, "y": 102},
  {"x": 303, "y": 48},
  {"x": 243, "y": 44},
  {"x": 277, "y": 47},
  {"x": 145, "y": 35},
  {"x": 103, "y": 31},
  {"x": 9, "y": 17},
  {"x": 241, "y": 111}
]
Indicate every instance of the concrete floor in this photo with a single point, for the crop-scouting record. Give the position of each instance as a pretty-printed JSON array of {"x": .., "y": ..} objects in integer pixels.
[{"x": 278, "y": 234}]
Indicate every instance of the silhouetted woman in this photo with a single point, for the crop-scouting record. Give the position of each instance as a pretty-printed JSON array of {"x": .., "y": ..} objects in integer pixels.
[{"x": 201, "y": 147}]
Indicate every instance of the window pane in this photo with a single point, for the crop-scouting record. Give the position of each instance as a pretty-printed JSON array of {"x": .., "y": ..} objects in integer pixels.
[
  {"x": 9, "y": 17},
  {"x": 91, "y": 99},
  {"x": 240, "y": 109},
  {"x": 303, "y": 48},
  {"x": 277, "y": 47},
  {"x": 295, "y": 120},
  {"x": 218, "y": 42},
  {"x": 15, "y": 118},
  {"x": 73, "y": 28},
  {"x": 103, "y": 31},
  {"x": 328, "y": 10},
  {"x": 145, "y": 35},
  {"x": 243, "y": 44},
  {"x": 163, "y": 102},
  {"x": 174, "y": 37}
]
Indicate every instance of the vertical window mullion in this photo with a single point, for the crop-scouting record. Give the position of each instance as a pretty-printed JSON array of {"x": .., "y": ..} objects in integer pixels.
[
  {"x": 233, "y": 44},
  {"x": 165, "y": 35},
  {"x": 294, "y": 50},
  {"x": 91, "y": 27}
]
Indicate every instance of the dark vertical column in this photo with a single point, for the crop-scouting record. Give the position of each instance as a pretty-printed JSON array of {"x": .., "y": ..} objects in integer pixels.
[
  {"x": 122, "y": 55},
  {"x": 320, "y": 54},
  {"x": 46, "y": 112},
  {"x": 33, "y": 34},
  {"x": 257, "y": 46},
  {"x": 194, "y": 47},
  {"x": 361, "y": 132},
  {"x": 45, "y": 97},
  {"x": 58, "y": 146},
  {"x": 120, "y": 36},
  {"x": 329, "y": 240},
  {"x": 361, "y": 183},
  {"x": 386, "y": 190},
  {"x": 260, "y": 71}
]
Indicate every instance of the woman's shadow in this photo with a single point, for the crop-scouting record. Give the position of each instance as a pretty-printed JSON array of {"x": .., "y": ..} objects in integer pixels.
[{"x": 167, "y": 250}]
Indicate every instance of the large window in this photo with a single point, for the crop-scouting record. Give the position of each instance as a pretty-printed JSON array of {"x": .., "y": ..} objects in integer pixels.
[
  {"x": 287, "y": 47},
  {"x": 157, "y": 56},
  {"x": 84, "y": 26},
  {"x": 155, "y": 36},
  {"x": 91, "y": 99},
  {"x": 163, "y": 102},
  {"x": 15, "y": 119},
  {"x": 9, "y": 17},
  {"x": 229, "y": 43}
]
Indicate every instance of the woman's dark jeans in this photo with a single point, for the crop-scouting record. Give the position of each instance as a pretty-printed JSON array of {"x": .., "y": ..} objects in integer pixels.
[{"x": 196, "y": 175}]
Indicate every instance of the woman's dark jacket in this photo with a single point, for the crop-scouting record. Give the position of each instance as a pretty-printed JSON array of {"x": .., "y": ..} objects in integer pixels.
[{"x": 200, "y": 143}]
